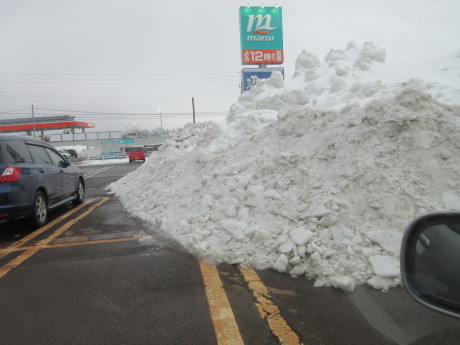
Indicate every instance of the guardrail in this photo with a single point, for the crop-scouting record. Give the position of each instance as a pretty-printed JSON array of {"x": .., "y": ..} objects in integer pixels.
[{"x": 106, "y": 156}]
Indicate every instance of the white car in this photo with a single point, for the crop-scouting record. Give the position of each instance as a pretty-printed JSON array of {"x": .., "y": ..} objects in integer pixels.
[{"x": 65, "y": 154}]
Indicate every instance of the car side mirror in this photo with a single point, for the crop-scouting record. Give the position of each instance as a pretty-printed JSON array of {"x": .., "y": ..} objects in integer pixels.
[
  {"x": 430, "y": 261},
  {"x": 65, "y": 163}
]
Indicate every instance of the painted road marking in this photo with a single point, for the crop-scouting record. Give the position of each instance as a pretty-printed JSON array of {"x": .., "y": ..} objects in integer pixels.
[
  {"x": 16, "y": 262},
  {"x": 29, "y": 251},
  {"x": 73, "y": 244},
  {"x": 225, "y": 326},
  {"x": 93, "y": 173},
  {"x": 32, "y": 250},
  {"x": 67, "y": 226},
  {"x": 268, "y": 310},
  {"x": 5, "y": 251},
  {"x": 37, "y": 232}
]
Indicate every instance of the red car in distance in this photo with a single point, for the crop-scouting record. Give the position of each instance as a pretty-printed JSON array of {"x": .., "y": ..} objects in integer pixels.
[{"x": 136, "y": 154}]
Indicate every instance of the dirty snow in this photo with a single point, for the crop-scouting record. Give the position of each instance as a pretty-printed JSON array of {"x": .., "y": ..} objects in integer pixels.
[{"x": 317, "y": 175}]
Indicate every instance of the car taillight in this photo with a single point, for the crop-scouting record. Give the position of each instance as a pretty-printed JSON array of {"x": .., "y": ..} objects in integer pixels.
[{"x": 10, "y": 174}]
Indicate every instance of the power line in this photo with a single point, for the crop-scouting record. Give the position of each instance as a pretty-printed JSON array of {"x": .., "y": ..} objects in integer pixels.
[
  {"x": 117, "y": 83},
  {"x": 12, "y": 111},
  {"x": 123, "y": 79},
  {"x": 117, "y": 79},
  {"x": 76, "y": 95},
  {"x": 116, "y": 74},
  {"x": 111, "y": 113},
  {"x": 94, "y": 115}
]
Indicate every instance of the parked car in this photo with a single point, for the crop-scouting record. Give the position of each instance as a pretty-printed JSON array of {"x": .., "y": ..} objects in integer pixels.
[
  {"x": 73, "y": 153},
  {"x": 34, "y": 179},
  {"x": 64, "y": 154},
  {"x": 136, "y": 154},
  {"x": 149, "y": 149}
]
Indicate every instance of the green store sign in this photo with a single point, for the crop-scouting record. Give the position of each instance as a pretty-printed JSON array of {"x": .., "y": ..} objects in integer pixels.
[
  {"x": 261, "y": 31},
  {"x": 119, "y": 141}
]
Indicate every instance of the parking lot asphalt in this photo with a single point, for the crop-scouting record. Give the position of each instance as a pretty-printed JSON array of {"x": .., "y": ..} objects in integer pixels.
[{"x": 93, "y": 276}]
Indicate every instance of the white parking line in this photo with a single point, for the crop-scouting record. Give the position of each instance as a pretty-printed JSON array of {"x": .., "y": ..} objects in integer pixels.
[{"x": 93, "y": 173}]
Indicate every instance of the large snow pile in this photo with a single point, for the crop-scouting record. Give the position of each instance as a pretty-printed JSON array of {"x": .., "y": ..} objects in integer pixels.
[{"x": 319, "y": 178}]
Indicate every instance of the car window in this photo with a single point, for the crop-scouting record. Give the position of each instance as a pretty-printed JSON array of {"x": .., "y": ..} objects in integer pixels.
[
  {"x": 14, "y": 152},
  {"x": 56, "y": 159},
  {"x": 39, "y": 155}
]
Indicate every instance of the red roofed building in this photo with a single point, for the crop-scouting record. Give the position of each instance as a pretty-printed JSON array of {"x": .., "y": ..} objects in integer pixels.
[{"x": 43, "y": 124}]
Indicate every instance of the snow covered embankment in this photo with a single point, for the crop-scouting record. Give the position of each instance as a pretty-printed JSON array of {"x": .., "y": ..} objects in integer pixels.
[{"x": 317, "y": 180}]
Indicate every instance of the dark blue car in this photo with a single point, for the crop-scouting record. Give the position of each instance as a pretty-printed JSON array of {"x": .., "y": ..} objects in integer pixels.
[{"x": 34, "y": 179}]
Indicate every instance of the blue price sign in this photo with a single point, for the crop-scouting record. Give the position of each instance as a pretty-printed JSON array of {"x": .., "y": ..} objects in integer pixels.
[{"x": 250, "y": 76}]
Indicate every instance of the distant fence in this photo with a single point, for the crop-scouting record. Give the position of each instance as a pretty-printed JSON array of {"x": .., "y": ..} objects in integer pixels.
[{"x": 85, "y": 136}]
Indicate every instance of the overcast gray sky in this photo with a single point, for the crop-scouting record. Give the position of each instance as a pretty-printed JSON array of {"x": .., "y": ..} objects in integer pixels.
[{"x": 132, "y": 57}]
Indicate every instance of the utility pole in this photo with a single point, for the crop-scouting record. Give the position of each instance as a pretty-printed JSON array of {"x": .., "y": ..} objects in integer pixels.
[
  {"x": 161, "y": 124},
  {"x": 193, "y": 106},
  {"x": 161, "y": 120},
  {"x": 33, "y": 120}
]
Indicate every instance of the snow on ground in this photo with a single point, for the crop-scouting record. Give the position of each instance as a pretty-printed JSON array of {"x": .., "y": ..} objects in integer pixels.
[
  {"x": 104, "y": 162},
  {"x": 78, "y": 148},
  {"x": 319, "y": 177}
]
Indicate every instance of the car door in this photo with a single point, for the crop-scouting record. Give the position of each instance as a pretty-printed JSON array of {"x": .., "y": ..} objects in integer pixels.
[
  {"x": 49, "y": 173},
  {"x": 68, "y": 175}
]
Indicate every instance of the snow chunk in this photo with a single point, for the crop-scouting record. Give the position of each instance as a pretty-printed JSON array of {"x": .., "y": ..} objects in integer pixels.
[
  {"x": 383, "y": 284},
  {"x": 148, "y": 241},
  {"x": 281, "y": 263},
  {"x": 385, "y": 266},
  {"x": 306, "y": 62},
  {"x": 451, "y": 201},
  {"x": 370, "y": 53},
  {"x": 345, "y": 283},
  {"x": 301, "y": 236},
  {"x": 388, "y": 240},
  {"x": 277, "y": 80}
]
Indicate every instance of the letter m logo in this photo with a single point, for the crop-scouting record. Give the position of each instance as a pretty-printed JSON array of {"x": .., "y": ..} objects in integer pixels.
[{"x": 262, "y": 24}]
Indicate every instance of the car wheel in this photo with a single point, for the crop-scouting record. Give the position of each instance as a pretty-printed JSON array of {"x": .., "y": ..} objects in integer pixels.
[
  {"x": 40, "y": 210},
  {"x": 80, "y": 193}
]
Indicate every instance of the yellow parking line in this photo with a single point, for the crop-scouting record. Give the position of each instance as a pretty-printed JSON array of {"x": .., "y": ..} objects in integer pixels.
[
  {"x": 17, "y": 261},
  {"x": 225, "y": 326},
  {"x": 87, "y": 243},
  {"x": 66, "y": 226},
  {"x": 37, "y": 232},
  {"x": 268, "y": 310},
  {"x": 72, "y": 244},
  {"x": 32, "y": 250}
]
